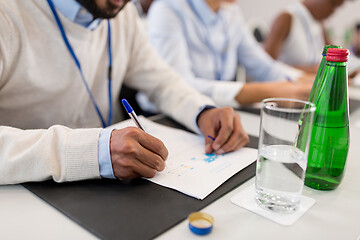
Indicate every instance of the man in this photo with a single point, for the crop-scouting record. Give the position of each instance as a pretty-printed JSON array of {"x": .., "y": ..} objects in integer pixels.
[{"x": 55, "y": 58}]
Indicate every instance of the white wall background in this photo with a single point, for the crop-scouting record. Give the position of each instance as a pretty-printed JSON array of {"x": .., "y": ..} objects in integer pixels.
[{"x": 264, "y": 11}]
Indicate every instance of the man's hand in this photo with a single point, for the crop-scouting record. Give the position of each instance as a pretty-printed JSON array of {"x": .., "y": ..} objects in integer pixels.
[
  {"x": 224, "y": 125},
  {"x": 296, "y": 90},
  {"x": 135, "y": 153},
  {"x": 256, "y": 92}
]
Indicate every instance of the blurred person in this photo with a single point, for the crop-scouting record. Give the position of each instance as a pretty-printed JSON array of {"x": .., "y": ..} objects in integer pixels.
[
  {"x": 205, "y": 41},
  {"x": 354, "y": 60},
  {"x": 297, "y": 36}
]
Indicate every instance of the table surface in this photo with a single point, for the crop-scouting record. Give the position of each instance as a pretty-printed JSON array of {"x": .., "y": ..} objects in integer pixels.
[{"x": 334, "y": 216}]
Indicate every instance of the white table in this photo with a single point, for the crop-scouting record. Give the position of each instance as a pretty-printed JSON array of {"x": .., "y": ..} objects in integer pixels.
[{"x": 335, "y": 215}]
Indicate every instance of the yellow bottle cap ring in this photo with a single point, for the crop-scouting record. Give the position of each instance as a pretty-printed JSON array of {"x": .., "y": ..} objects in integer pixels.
[{"x": 200, "y": 223}]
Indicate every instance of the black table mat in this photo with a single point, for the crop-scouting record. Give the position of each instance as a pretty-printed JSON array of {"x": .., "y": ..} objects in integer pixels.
[{"x": 135, "y": 209}]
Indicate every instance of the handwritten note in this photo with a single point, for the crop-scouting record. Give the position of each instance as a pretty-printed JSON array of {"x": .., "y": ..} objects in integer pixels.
[{"x": 188, "y": 169}]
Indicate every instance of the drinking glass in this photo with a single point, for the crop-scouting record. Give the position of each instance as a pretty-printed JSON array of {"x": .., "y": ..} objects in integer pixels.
[{"x": 284, "y": 139}]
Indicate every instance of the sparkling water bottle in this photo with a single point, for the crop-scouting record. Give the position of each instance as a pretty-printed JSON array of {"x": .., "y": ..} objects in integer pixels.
[
  {"x": 316, "y": 88},
  {"x": 319, "y": 75},
  {"x": 330, "y": 135}
]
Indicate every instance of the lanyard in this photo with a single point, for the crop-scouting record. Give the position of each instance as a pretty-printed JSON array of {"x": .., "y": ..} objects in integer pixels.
[
  {"x": 219, "y": 68},
  {"x": 77, "y": 62}
]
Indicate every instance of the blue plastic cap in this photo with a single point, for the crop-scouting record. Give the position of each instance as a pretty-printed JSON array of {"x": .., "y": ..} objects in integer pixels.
[
  {"x": 200, "y": 231},
  {"x": 127, "y": 105},
  {"x": 200, "y": 228}
]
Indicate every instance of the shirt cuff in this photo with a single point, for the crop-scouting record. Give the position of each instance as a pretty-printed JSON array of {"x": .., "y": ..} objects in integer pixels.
[
  {"x": 197, "y": 129},
  {"x": 225, "y": 92},
  {"x": 106, "y": 170}
]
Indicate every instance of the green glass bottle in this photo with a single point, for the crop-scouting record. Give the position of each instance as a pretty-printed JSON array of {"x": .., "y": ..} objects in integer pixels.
[
  {"x": 319, "y": 74},
  {"x": 330, "y": 135},
  {"x": 318, "y": 83}
]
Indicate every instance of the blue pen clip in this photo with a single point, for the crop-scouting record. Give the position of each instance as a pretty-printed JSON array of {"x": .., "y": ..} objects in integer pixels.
[
  {"x": 127, "y": 106},
  {"x": 132, "y": 114}
]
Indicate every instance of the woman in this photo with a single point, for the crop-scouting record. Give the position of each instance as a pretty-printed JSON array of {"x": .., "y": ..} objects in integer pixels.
[{"x": 299, "y": 30}]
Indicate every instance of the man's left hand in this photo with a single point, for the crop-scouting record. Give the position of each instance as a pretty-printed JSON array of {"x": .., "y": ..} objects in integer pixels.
[{"x": 224, "y": 125}]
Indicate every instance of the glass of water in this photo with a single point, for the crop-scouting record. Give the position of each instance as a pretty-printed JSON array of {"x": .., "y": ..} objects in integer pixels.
[{"x": 284, "y": 139}]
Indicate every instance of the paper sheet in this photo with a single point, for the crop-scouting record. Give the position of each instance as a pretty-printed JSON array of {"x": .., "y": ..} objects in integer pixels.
[{"x": 188, "y": 169}]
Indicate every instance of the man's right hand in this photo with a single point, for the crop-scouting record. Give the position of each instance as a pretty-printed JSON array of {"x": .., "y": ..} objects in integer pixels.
[
  {"x": 135, "y": 153},
  {"x": 257, "y": 91},
  {"x": 295, "y": 90}
]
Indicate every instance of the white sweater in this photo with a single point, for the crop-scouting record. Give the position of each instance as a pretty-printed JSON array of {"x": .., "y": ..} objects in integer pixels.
[{"x": 43, "y": 99}]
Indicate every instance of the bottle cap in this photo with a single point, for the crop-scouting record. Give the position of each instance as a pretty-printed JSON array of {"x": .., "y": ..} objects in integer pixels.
[
  {"x": 200, "y": 223},
  {"x": 326, "y": 48},
  {"x": 337, "y": 55}
]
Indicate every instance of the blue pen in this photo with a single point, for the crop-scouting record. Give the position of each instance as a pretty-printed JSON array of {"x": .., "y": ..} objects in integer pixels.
[{"x": 132, "y": 114}]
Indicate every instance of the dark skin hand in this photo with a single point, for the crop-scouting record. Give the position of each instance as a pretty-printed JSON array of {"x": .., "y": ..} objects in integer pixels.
[
  {"x": 223, "y": 124},
  {"x": 134, "y": 153}
]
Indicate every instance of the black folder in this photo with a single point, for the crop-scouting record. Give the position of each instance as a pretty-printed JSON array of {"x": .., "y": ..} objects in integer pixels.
[{"x": 134, "y": 209}]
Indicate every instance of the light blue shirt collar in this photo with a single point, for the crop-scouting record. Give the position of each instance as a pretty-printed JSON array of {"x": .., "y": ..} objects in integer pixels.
[
  {"x": 204, "y": 12},
  {"x": 76, "y": 13}
]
